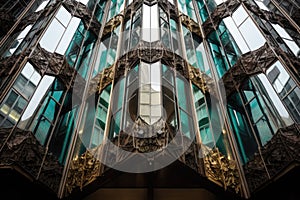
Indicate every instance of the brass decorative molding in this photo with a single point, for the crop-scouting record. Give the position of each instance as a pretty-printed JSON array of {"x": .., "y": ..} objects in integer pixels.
[
  {"x": 221, "y": 170},
  {"x": 112, "y": 24},
  {"x": 83, "y": 170},
  {"x": 196, "y": 76},
  {"x": 190, "y": 24},
  {"x": 101, "y": 80}
]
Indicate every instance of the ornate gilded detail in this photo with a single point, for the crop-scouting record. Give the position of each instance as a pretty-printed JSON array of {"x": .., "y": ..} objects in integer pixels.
[
  {"x": 112, "y": 24},
  {"x": 106, "y": 77},
  {"x": 221, "y": 170},
  {"x": 83, "y": 170},
  {"x": 197, "y": 77},
  {"x": 191, "y": 24},
  {"x": 280, "y": 152}
]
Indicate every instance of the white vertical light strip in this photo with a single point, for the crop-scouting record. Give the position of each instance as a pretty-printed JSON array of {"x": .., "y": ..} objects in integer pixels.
[
  {"x": 150, "y": 26},
  {"x": 146, "y": 26},
  {"x": 154, "y": 19}
]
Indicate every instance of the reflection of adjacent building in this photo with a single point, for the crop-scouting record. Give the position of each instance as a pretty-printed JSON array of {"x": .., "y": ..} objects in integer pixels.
[{"x": 92, "y": 92}]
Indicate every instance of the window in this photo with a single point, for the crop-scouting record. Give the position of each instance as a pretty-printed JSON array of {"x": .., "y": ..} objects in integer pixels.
[
  {"x": 19, "y": 95},
  {"x": 150, "y": 23},
  {"x": 17, "y": 41},
  {"x": 186, "y": 6},
  {"x": 107, "y": 52},
  {"x": 60, "y": 32},
  {"x": 286, "y": 88}
]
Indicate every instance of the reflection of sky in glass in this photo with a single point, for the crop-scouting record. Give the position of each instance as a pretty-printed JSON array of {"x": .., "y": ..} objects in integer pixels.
[
  {"x": 42, "y": 6},
  {"x": 52, "y": 36},
  {"x": 236, "y": 35},
  {"x": 239, "y": 15},
  {"x": 287, "y": 38},
  {"x": 84, "y": 1},
  {"x": 155, "y": 76},
  {"x": 274, "y": 97},
  {"x": 68, "y": 35},
  {"x": 252, "y": 35},
  {"x": 218, "y": 1},
  {"x": 262, "y": 5},
  {"x": 282, "y": 78},
  {"x": 37, "y": 97},
  {"x": 63, "y": 16},
  {"x": 27, "y": 70}
]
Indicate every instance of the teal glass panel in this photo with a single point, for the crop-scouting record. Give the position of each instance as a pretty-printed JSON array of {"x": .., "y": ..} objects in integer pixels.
[
  {"x": 121, "y": 94},
  {"x": 211, "y": 5},
  {"x": 97, "y": 137},
  {"x": 231, "y": 49},
  {"x": 292, "y": 101},
  {"x": 169, "y": 99},
  {"x": 186, "y": 123},
  {"x": 82, "y": 65},
  {"x": 202, "y": 118},
  {"x": 99, "y": 10},
  {"x": 57, "y": 90},
  {"x": 60, "y": 140},
  {"x": 116, "y": 7},
  {"x": 264, "y": 131},
  {"x": 186, "y": 6},
  {"x": 42, "y": 130},
  {"x": 74, "y": 46},
  {"x": 246, "y": 140},
  {"x": 189, "y": 47},
  {"x": 174, "y": 37},
  {"x": 103, "y": 108},
  {"x": 182, "y": 90},
  {"x": 202, "y": 10},
  {"x": 206, "y": 136},
  {"x": 51, "y": 109},
  {"x": 217, "y": 54},
  {"x": 258, "y": 110}
]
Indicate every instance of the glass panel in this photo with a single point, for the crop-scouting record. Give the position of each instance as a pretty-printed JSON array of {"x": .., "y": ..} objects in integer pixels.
[
  {"x": 42, "y": 130},
  {"x": 36, "y": 98},
  {"x": 42, "y": 6},
  {"x": 182, "y": 90},
  {"x": 255, "y": 39},
  {"x": 150, "y": 23},
  {"x": 68, "y": 35},
  {"x": 52, "y": 36},
  {"x": 241, "y": 127},
  {"x": 186, "y": 124},
  {"x": 115, "y": 125},
  {"x": 186, "y": 6},
  {"x": 239, "y": 15},
  {"x": 63, "y": 16}
]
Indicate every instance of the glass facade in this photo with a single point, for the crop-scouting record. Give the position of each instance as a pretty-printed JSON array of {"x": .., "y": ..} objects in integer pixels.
[{"x": 211, "y": 84}]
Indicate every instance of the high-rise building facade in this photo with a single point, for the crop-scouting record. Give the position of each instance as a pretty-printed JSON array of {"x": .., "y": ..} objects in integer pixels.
[{"x": 147, "y": 99}]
